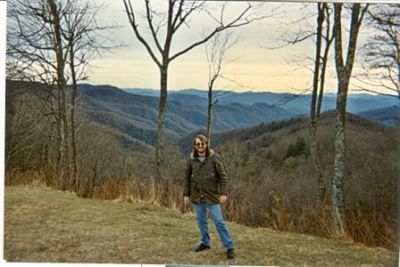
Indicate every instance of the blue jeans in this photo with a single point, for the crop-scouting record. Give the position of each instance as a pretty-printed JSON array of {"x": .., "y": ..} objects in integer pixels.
[{"x": 216, "y": 215}]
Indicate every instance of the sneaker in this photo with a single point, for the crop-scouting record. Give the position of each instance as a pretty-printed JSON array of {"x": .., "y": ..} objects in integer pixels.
[
  {"x": 201, "y": 247},
  {"x": 230, "y": 253}
]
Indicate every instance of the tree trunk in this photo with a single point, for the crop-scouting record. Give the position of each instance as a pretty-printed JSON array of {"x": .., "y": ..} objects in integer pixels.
[
  {"x": 324, "y": 58},
  {"x": 313, "y": 112},
  {"x": 61, "y": 84},
  {"x": 337, "y": 183},
  {"x": 343, "y": 70},
  {"x": 66, "y": 163},
  {"x": 158, "y": 179},
  {"x": 210, "y": 106},
  {"x": 60, "y": 146},
  {"x": 315, "y": 152},
  {"x": 315, "y": 146},
  {"x": 74, "y": 177}
]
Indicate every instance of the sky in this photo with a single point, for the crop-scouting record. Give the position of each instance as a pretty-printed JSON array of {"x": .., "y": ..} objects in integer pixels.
[{"x": 250, "y": 65}]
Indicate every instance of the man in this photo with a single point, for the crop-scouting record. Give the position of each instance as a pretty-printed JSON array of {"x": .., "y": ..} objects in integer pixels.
[{"x": 205, "y": 187}]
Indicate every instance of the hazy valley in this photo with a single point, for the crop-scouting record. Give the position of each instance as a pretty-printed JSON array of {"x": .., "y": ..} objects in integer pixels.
[{"x": 134, "y": 112}]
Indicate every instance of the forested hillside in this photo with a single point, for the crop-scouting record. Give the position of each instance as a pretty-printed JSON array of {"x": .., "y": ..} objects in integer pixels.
[
  {"x": 273, "y": 180},
  {"x": 389, "y": 116},
  {"x": 137, "y": 115}
]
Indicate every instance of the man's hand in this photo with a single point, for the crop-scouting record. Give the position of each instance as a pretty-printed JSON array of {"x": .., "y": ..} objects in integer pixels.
[
  {"x": 223, "y": 198},
  {"x": 186, "y": 200}
]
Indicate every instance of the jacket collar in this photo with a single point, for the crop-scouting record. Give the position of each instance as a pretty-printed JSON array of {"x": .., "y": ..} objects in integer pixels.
[{"x": 212, "y": 153}]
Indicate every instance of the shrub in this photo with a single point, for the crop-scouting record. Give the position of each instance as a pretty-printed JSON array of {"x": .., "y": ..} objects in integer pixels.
[{"x": 296, "y": 149}]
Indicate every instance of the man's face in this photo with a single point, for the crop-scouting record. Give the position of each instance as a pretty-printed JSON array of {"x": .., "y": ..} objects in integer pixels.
[{"x": 200, "y": 146}]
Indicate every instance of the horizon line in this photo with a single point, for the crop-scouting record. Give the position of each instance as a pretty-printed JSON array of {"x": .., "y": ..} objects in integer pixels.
[{"x": 232, "y": 91}]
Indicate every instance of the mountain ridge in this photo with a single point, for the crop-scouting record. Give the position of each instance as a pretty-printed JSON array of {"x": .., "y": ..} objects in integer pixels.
[
  {"x": 185, "y": 114},
  {"x": 135, "y": 116},
  {"x": 297, "y": 105}
]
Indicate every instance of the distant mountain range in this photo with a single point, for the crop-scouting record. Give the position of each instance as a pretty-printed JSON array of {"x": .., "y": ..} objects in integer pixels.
[
  {"x": 382, "y": 109},
  {"x": 132, "y": 114},
  {"x": 389, "y": 116},
  {"x": 136, "y": 115}
]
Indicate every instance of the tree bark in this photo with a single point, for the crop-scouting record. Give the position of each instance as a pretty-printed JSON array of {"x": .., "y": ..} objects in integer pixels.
[
  {"x": 314, "y": 113},
  {"x": 210, "y": 106},
  {"x": 74, "y": 178},
  {"x": 60, "y": 146},
  {"x": 337, "y": 184},
  {"x": 209, "y": 114},
  {"x": 328, "y": 40},
  {"x": 158, "y": 179},
  {"x": 343, "y": 70},
  {"x": 61, "y": 84}
]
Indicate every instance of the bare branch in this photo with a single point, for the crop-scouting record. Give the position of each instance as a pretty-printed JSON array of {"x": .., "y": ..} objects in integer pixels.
[
  {"x": 237, "y": 22},
  {"x": 131, "y": 15},
  {"x": 149, "y": 17},
  {"x": 381, "y": 52}
]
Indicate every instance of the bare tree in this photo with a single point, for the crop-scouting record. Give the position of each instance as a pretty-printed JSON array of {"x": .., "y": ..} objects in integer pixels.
[
  {"x": 343, "y": 69},
  {"x": 81, "y": 33},
  {"x": 35, "y": 46},
  {"x": 58, "y": 46},
  {"x": 381, "y": 53},
  {"x": 215, "y": 52},
  {"x": 101, "y": 154},
  {"x": 24, "y": 133},
  {"x": 178, "y": 14},
  {"x": 50, "y": 42},
  {"x": 38, "y": 48},
  {"x": 320, "y": 63},
  {"x": 323, "y": 40}
]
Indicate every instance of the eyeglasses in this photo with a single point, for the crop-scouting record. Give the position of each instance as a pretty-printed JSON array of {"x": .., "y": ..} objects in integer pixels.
[{"x": 199, "y": 144}]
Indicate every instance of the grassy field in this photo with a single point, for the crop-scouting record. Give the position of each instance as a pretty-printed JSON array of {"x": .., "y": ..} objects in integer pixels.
[{"x": 45, "y": 225}]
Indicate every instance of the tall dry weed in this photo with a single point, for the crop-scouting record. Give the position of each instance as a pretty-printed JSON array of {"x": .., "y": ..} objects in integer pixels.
[{"x": 250, "y": 206}]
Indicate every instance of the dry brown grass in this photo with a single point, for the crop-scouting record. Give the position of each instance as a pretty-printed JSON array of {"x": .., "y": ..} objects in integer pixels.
[{"x": 45, "y": 225}]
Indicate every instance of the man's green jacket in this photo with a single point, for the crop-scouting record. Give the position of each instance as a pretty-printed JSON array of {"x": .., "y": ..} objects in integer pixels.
[{"x": 205, "y": 179}]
